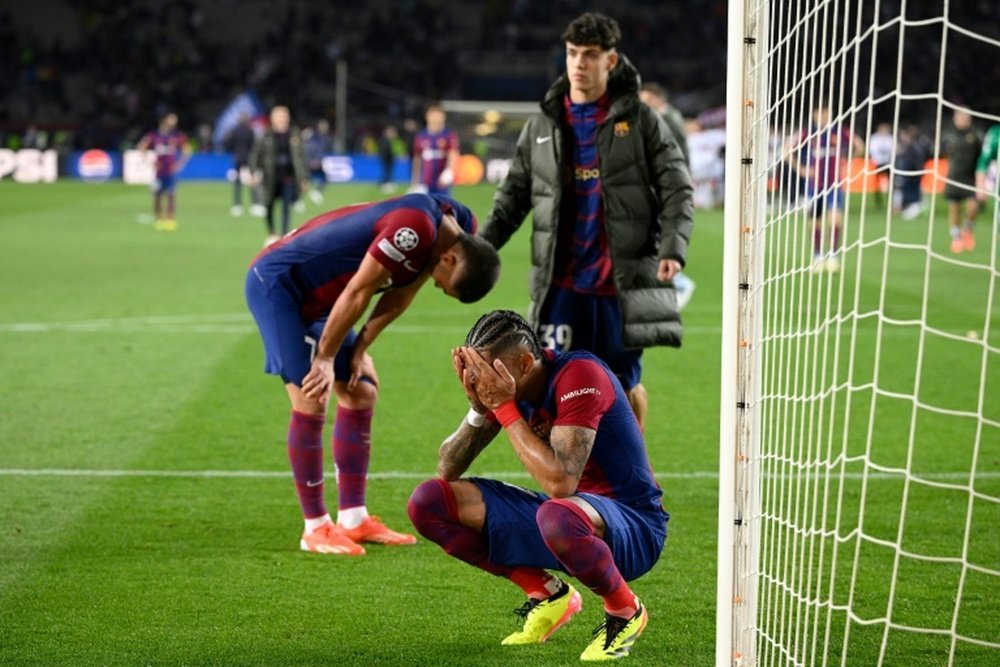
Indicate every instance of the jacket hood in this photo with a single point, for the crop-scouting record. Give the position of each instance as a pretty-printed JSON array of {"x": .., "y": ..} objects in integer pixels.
[{"x": 623, "y": 89}]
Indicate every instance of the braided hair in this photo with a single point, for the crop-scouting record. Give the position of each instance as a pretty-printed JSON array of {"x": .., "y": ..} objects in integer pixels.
[{"x": 499, "y": 330}]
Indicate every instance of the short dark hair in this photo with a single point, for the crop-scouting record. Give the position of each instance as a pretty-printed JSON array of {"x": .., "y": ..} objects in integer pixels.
[
  {"x": 481, "y": 268},
  {"x": 593, "y": 28},
  {"x": 655, "y": 89},
  {"x": 499, "y": 330}
]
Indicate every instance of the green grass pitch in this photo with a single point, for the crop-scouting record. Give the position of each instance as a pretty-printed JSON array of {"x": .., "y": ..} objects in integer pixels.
[{"x": 130, "y": 365}]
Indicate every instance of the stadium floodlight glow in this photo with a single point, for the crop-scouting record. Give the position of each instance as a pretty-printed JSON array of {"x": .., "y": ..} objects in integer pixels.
[
  {"x": 485, "y": 129},
  {"x": 860, "y": 414}
]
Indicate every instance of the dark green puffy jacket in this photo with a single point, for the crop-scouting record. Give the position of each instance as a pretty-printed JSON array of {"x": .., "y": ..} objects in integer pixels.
[{"x": 647, "y": 203}]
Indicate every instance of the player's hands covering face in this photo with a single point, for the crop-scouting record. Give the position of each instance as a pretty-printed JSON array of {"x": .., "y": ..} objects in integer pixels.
[
  {"x": 493, "y": 383},
  {"x": 465, "y": 378}
]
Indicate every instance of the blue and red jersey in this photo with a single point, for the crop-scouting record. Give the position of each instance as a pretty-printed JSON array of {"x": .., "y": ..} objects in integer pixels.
[
  {"x": 582, "y": 391},
  {"x": 583, "y": 261},
  {"x": 823, "y": 150},
  {"x": 315, "y": 262},
  {"x": 168, "y": 148},
  {"x": 433, "y": 149}
]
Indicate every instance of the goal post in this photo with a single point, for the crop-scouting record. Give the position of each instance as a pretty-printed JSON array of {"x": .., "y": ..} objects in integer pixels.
[
  {"x": 745, "y": 203},
  {"x": 859, "y": 484}
]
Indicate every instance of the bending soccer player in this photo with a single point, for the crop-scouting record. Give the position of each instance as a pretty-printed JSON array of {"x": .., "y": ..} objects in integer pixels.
[
  {"x": 306, "y": 293},
  {"x": 599, "y": 519}
]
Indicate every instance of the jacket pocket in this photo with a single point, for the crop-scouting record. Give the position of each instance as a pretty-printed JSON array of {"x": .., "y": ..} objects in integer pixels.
[{"x": 650, "y": 317}]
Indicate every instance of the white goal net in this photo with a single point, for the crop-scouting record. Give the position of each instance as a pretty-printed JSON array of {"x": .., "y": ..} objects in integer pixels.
[{"x": 860, "y": 414}]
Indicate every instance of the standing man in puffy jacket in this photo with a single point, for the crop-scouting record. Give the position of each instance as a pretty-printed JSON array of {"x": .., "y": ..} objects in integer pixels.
[
  {"x": 279, "y": 163},
  {"x": 612, "y": 203}
]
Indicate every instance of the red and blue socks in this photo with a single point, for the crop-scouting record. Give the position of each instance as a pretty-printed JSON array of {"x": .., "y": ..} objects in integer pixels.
[
  {"x": 305, "y": 452},
  {"x": 569, "y": 534},
  {"x": 434, "y": 513},
  {"x": 351, "y": 452}
]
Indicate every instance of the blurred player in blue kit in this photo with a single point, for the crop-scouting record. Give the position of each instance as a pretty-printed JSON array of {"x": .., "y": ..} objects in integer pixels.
[
  {"x": 171, "y": 151},
  {"x": 435, "y": 155},
  {"x": 308, "y": 290}
]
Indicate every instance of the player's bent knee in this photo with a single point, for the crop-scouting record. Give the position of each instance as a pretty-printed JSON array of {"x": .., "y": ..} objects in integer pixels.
[
  {"x": 430, "y": 503},
  {"x": 362, "y": 397},
  {"x": 560, "y": 520},
  {"x": 301, "y": 403}
]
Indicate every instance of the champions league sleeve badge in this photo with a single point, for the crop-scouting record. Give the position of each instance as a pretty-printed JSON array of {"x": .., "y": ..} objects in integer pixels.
[{"x": 405, "y": 239}]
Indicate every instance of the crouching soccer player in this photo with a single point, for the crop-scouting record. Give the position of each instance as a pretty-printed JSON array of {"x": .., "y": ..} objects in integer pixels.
[
  {"x": 599, "y": 519},
  {"x": 307, "y": 291}
]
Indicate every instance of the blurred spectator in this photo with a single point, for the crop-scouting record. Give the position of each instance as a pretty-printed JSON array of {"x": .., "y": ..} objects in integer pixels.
[
  {"x": 706, "y": 163},
  {"x": 278, "y": 163},
  {"x": 989, "y": 154},
  {"x": 962, "y": 143},
  {"x": 387, "y": 157},
  {"x": 318, "y": 144},
  {"x": 33, "y": 138},
  {"x": 907, "y": 198},
  {"x": 655, "y": 96},
  {"x": 204, "y": 140},
  {"x": 880, "y": 146},
  {"x": 239, "y": 142}
]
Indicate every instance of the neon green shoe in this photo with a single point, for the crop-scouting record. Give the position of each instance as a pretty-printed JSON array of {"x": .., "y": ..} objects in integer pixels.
[
  {"x": 614, "y": 637},
  {"x": 543, "y": 617}
]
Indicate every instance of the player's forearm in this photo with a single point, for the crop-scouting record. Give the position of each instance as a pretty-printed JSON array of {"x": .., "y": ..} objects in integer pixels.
[
  {"x": 461, "y": 448},
  {"x": 541, "y": 461},
  {"x": 347, "y": 310},
  {"x": 391, "y": 305}
]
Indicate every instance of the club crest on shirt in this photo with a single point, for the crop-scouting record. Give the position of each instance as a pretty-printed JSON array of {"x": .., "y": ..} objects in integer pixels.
[
  {"x": 405, "y": 239},
  {"x": 621, "y": 129}
]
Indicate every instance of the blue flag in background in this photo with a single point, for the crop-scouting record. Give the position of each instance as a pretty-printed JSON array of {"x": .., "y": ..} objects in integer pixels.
[{"x": 246, "y": 102}]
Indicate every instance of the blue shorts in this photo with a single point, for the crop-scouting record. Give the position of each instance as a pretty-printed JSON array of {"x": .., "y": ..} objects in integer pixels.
[
  {"x": 289, "y": 341},
  {"x": 569, "y": 320},
  {"x": 164, "y": 184},
  {"x": 832, "y": 200},
  {"x": 635, "y": 538}
]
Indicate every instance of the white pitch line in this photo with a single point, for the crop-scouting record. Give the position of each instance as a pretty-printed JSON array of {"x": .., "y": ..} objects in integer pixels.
[
  {"x": 402, "y": 474},
  {"x": 233, "y": 323},
  {"x": 242, "y": 324}
]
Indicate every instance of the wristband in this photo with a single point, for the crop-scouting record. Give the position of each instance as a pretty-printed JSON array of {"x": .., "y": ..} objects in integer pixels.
[
  {"x": 474, "y": 419},
  {"x": 508, "y": 413}
]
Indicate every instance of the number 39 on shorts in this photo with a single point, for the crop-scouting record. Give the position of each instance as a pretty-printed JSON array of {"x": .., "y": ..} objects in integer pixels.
[{"x": 556, "y": 336}]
